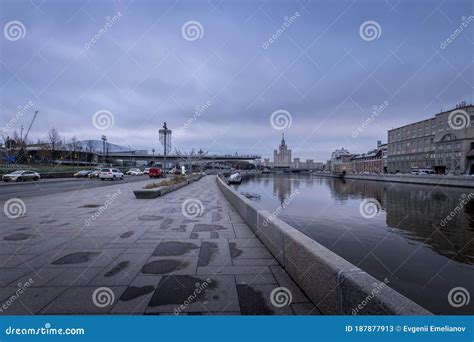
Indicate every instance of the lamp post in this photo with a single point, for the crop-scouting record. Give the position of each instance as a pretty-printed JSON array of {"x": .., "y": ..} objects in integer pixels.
[
  {"x": 153, "y": 160},
  {"x": 7, "y": 148},
  {"x": 165, "y": 140},
  {"x": 104, "y": 140}
]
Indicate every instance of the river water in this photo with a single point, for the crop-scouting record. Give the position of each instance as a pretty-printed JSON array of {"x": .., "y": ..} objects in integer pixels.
[{"x": 390, "y": 230}]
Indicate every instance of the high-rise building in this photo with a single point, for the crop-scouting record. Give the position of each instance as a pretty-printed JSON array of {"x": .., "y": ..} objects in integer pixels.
[
  {"x": 282, "y": 156},
  {"x": 444, "y": 143}
]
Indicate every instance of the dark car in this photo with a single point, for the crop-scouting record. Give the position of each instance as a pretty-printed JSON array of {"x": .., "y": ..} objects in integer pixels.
[
  {"x": 155, "y": 172},
  {"x": 83, "y": 173}
]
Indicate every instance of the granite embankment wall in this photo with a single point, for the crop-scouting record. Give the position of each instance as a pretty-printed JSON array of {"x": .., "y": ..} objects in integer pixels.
[
  {"x": 332, "y": 283},
  {"x": 458, "y": 181}
]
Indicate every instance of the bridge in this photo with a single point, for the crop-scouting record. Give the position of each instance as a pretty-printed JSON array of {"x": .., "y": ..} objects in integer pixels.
[{"x": 159, "y": 158}]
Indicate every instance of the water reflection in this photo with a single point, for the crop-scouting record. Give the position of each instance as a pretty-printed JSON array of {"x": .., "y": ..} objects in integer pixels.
[
  {"x": 282, "y": 188},
  {"x": 406, "y": 242},
  {"x": 419, "y": 210}
]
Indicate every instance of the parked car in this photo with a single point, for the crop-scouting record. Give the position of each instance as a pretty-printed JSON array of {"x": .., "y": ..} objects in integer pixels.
[
  {"x": 94, "y": 174},
  {"x": 155, "y": 172},
  {"x": 417, "y": 171},
  {"x": 111, "y": 174},
  {"x": 174, "y": 171},
  {"x": 82, "y": 173},
  {"x": 146, "y": 171},
  {"x": 21, "y": 175},
  {"x": 134, "y": 172}
]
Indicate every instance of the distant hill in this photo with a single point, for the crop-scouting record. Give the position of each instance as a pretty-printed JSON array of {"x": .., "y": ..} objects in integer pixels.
[{"x": 96, "y": 145}]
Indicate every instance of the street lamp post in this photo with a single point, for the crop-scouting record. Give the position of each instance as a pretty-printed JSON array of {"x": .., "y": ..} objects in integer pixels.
[
  {"x": 104, "y": 140},
  {"x": 7, "y": 148},
  {"x": 165, "y": 140},
  {"x": 153, "y": 160}
]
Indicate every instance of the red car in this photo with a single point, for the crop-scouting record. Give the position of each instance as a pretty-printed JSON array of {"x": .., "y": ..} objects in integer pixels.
[{"x": 155, "y": 172}]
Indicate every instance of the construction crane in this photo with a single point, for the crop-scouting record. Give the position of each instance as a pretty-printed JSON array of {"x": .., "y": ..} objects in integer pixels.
[
  {"x": 31, "y": 124},
  {"x": 21, "y": 154}
]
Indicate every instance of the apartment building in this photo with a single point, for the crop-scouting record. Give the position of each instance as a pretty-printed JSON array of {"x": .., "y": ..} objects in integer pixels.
[{"x": 444, "y": 143}]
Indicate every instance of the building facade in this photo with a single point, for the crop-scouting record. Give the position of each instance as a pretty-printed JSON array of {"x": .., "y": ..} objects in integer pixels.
[
  {"x": 267, "y": 162},
  {"x": 282, "y": 156},
  {"x": 282, "y": 159},
  {"x": 444, "y": 143},
  {"x": 374, "y": 161},
  {"x": 339, "y": 158}
]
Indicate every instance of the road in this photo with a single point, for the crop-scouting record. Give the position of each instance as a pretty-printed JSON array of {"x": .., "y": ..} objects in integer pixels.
[{"x": 51, "y": 186}]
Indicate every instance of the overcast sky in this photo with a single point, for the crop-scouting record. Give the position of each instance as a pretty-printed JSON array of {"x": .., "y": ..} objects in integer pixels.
[{"x": 145, "y": 62}]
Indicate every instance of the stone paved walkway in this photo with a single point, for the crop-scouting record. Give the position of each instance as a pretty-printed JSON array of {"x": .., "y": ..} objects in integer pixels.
[{"x": 70, "y": 254}]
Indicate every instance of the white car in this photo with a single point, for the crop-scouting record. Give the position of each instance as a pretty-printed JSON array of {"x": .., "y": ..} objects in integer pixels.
[
  {"x": 21, "y": 175},
  {"x": 111, "y": 174},
  {"x": 134, "y": 172},
  {"x": 146, "y": 171}
]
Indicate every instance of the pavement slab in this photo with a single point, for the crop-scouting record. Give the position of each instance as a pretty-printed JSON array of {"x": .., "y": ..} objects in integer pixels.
[{"x": 138, "y": 257}]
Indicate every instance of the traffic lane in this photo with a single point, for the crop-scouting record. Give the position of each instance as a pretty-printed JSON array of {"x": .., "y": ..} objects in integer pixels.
[
  {"x": 44, "y": 187},
  {"x": 42, "y": 180}
]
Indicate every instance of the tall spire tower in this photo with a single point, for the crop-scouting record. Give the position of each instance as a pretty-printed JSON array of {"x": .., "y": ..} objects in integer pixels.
[{"x": 282, "y": 156}]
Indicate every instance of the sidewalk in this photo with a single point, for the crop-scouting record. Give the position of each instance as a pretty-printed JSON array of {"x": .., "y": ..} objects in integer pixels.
[{"x": 100, "y": 250}]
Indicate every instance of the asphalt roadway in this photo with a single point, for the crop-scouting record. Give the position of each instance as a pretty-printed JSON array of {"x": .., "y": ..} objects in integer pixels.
[{"x": 57, "y": 185}]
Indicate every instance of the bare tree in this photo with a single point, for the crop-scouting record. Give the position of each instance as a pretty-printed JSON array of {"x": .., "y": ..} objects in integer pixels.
[
  {"x": 73, "y": 146},
  {"x": 191, "y": 158},
  {"x": 53, "y": 143},
  {"x": 90, "y": 150},
  {"x": 18, "y": 140}
]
